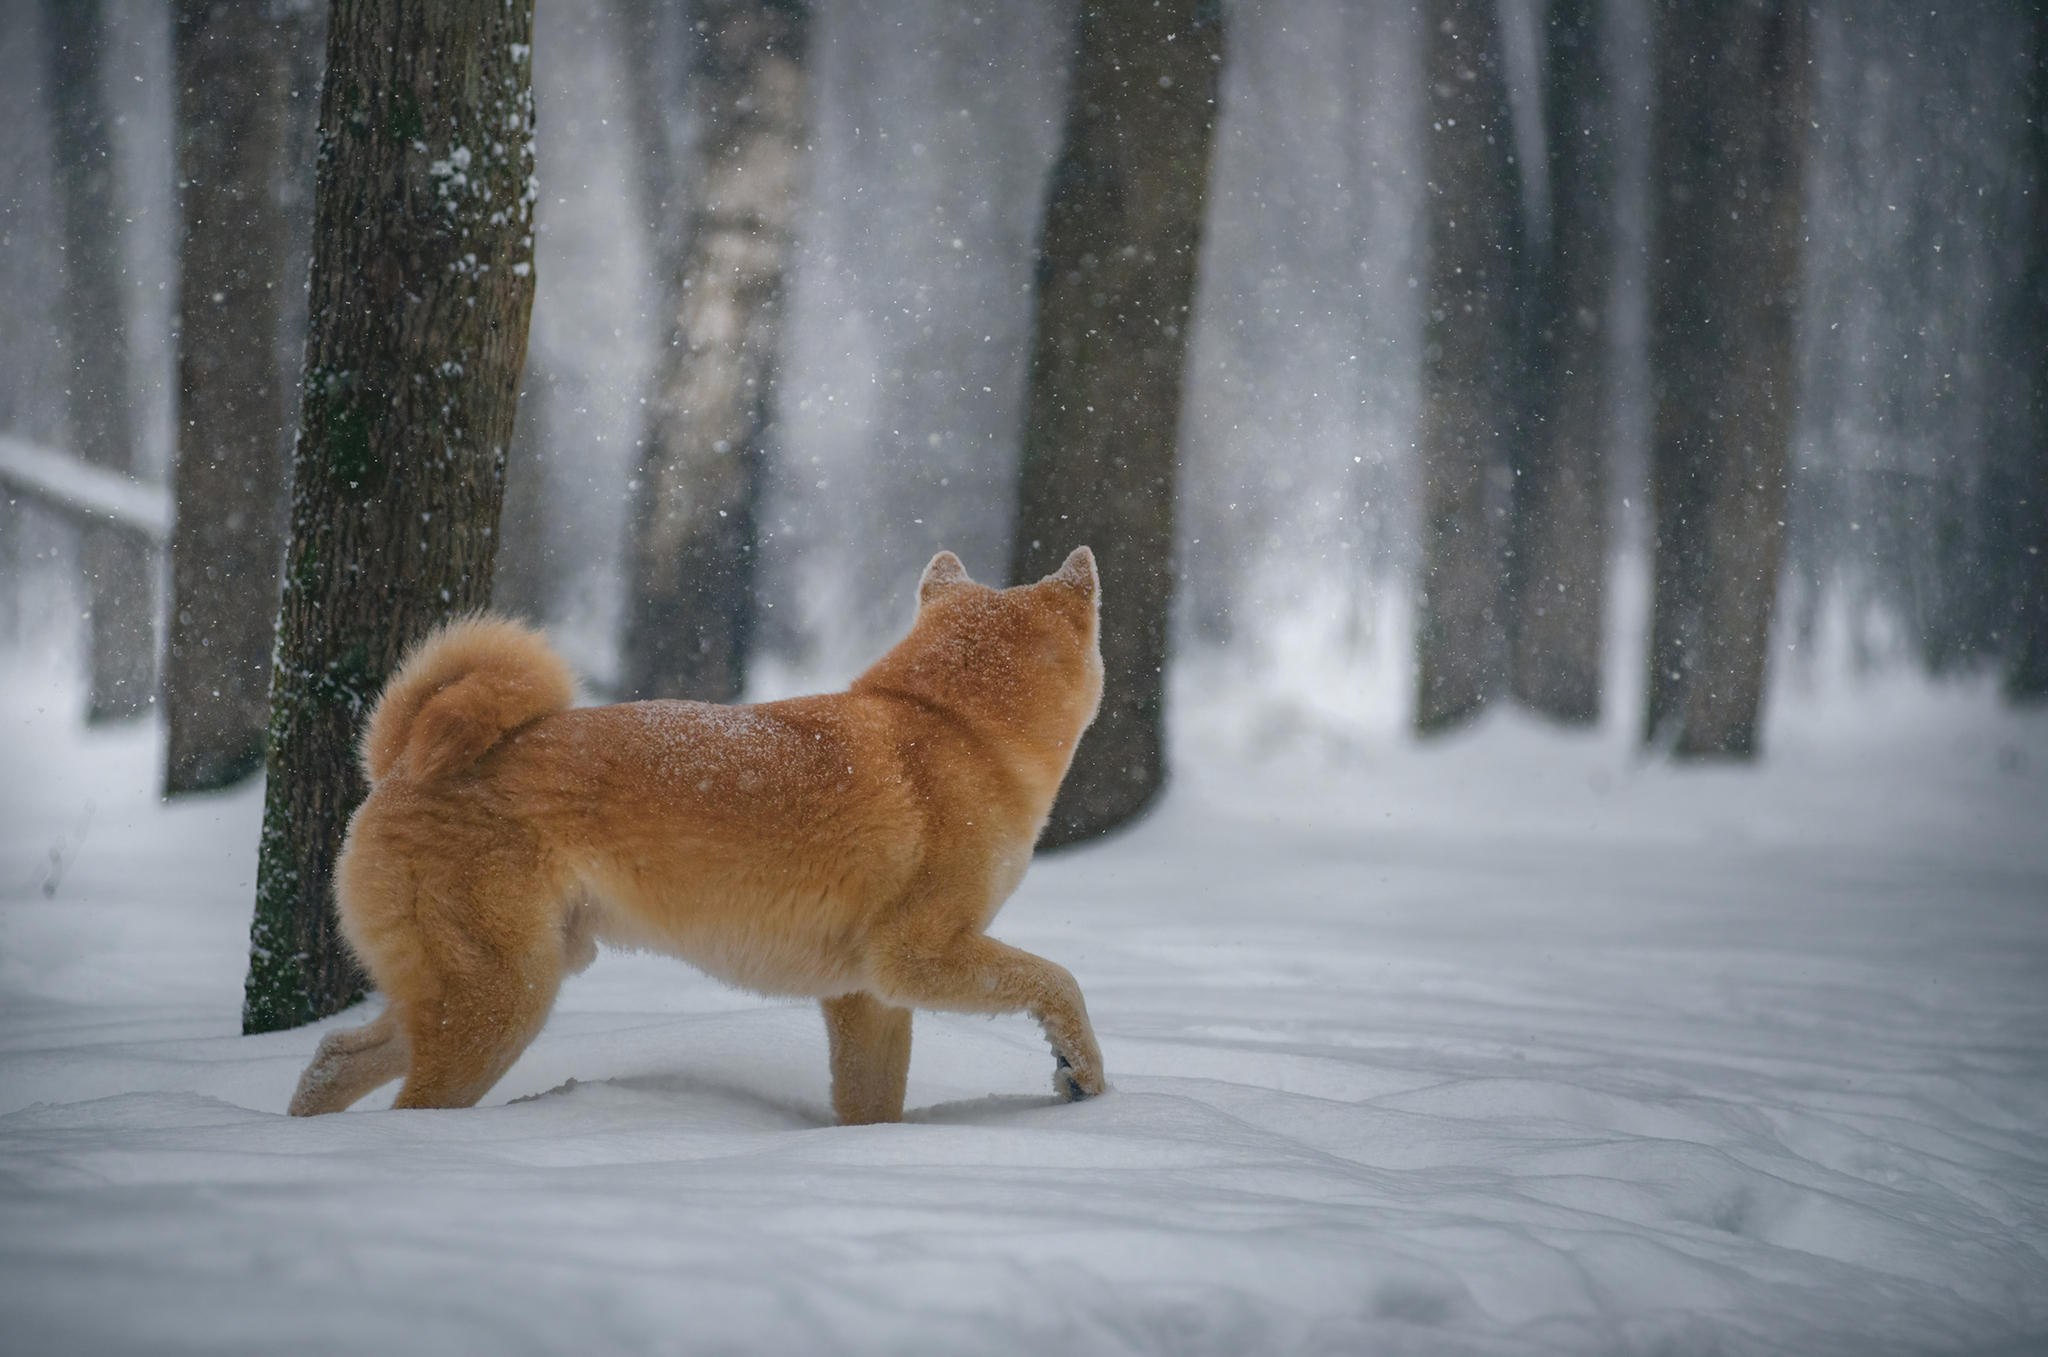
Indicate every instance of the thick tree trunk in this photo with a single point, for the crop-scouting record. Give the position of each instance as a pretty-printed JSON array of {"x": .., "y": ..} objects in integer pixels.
[
  {"x": 1471, "y": 366},
  {"x": 1730, "y": 139},
  {"x": 1116, "y": 282},
  {"x": 690, "y": 617},
  {"x": 422, "y": 287},
  {"x": 1559, "y": 567},
  {"x": 120, "y": 575},
  {"x": 233, "y": 68},
  {"x": 2026, "y": 674}
]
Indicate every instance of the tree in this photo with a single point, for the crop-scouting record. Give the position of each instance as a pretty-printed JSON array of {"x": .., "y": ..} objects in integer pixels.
[
  {"x": 2026, "y": 675},
  {"x": 1727, "y": 194},
  {"x": 119, "y": 576},
  {"x": 233, "y": 74},
  {"x": 690, "y": 614},
  {"x": 422, "y": 287},
  {"x": 1471, "y": 366},
  {"x": 1558, "y": 569},
  {"x": 523, "y": 575},
  {"x": 1116, "y": 280}
]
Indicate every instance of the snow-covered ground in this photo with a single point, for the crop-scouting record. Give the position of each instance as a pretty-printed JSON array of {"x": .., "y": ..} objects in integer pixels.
[{"x": 1508, "y": 1044}]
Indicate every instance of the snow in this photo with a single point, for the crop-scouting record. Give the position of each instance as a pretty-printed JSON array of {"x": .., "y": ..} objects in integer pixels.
[{"x": 1511, "y": 1043}]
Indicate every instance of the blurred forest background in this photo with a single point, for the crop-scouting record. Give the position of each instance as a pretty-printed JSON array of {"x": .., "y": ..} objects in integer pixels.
[{"x": 879, "y": 390}]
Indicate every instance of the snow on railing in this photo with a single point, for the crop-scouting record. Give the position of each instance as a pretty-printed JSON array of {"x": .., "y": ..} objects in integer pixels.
[{"x": 89, "y": 494}]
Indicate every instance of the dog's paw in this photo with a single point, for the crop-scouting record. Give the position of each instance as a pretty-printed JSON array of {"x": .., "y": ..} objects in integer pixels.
[{"x": 1072, "y": 1084}]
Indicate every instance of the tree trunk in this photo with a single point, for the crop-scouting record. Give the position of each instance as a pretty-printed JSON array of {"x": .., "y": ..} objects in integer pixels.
[
  {"x": 662, "y": 46},
  {"x": 2026, "y": 674},
  {"x": 1116, "y": 282},
  {"x": 233, "y": 73},
  {"x": 120, "y": 574},
  {"x": 690, "y": 618},
  {"x": 1730, "y": 140},
  {"x": 422, "y": 288},
  {"x": 523, "y": 577},
  {"x": 1471, "y": 366},
  {"x": 1559, "y": 566}
]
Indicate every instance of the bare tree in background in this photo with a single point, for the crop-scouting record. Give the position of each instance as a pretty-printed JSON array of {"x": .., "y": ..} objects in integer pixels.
[
  {"x": 1730, "y": 131},
  {"x": 1471, "y": 365},
  {"x": 1116, "y": 280},
  {"x": 523, "y": 578},
  {"x": 1559, "y": 567},
  {"x": 120, "y": 580},
  {"x": 422, "y": 289},
  {"x": 690, "y": 610},
  {"x": 233, "y": 70},
  {"x": 2026, "y": 675}
]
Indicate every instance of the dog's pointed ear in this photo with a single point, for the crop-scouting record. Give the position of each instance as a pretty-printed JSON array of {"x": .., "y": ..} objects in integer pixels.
[
  {"x": 1078, "y": 573},
  {"x": 942, "y": 574}
]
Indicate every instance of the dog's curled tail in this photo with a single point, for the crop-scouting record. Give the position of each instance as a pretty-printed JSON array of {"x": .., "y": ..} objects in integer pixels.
[{"x": 456, "y": 692}]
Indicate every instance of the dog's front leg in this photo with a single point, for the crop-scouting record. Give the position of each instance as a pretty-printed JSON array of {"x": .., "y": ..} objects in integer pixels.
[
  {"x": 970, "y": 973},
  {"x": 870, "y": 1058}
]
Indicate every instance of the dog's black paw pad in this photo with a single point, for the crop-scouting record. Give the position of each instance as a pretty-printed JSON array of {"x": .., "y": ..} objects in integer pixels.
[{"x": 1066, "y": 1083}]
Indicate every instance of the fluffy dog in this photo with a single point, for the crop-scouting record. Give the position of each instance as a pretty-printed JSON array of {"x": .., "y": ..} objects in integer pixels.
[{"x": 851, "y": 847}]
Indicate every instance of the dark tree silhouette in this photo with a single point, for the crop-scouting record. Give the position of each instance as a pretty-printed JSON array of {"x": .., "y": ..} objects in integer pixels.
[
  {"x": 690, "y": 614},
  {"x": 1116, "y": 277},
  {"x": 1471, "y": 365},
  {"x": 422, "y": 288},
  {"x": 1730, "y": 132},
  {"x": 2026, "y": 676},
  {"x": 1559, "y": 567},
  {"x": 523, "y": 579},
  {"x": 119, "y": 578},
  {"x": 233, "y": 70}
]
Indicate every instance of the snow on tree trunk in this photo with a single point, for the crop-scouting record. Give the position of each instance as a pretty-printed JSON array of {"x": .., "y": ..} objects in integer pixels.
[
  {"x": 120, "y": 578},
  {"x": 1730, "y": 134},
  {"x": 690, "y": 614},
  {"x": 1116, "y": 279},
  {"x": 1559, "y": 567},
  {"x": 233, "y": 67},
  {"x": 422, "y": 288},
  {"x": 1471, "y": 365}
]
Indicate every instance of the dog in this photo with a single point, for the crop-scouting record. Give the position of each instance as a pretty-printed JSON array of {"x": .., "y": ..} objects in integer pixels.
[{"x": 850, "y": 847}]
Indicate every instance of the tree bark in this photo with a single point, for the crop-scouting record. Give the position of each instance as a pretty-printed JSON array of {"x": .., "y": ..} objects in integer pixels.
[
  {"x": 1559, "y": 566},
  {"x": 422, "y": 287},
  {"x": 2026, "y": 673},
  {"x": 1116, "y": 280},
  {"x": 690, "y": 619},
  {"x": 1471, "y": 366},
  {"x": 119, "y": 571},
  {"x": 1730, "y": 137},
  {"x": 233, "y": 72}
]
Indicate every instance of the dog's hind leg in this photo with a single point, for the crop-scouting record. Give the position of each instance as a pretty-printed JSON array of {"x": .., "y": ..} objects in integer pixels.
[
  {"x": 870, "y": 1058},
  {"x": 467, "y": 1036},
  {"x": 970, "y": 973},
  {"x": 351, "y": 1063}
]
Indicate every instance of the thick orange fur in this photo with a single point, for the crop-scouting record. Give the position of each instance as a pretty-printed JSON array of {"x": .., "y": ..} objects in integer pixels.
[
  {"x": 489, "y": 675},
  {"x": 852, "y": 847}
]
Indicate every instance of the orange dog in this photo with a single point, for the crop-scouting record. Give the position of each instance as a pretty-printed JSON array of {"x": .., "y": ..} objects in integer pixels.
[{"x": 851, "y": 847}]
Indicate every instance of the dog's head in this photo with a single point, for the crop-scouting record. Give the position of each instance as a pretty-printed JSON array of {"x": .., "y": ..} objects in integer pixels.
[{"x": 1026, "y": 656}]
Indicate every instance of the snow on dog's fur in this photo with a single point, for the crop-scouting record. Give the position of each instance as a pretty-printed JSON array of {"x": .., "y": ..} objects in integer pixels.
[{"x": 852, "y": 847}]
